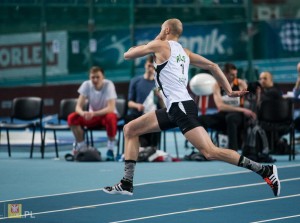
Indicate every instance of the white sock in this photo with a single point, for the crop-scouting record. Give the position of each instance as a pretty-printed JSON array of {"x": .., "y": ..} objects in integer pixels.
[
  {"x": 110, "y": 144},
  {"x": 80, "y": 145}
]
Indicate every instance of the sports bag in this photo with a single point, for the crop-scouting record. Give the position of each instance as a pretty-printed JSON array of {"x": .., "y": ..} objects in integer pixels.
[
  {"x": 85, "y": 155},
  {"x": 256, "y": 146}
]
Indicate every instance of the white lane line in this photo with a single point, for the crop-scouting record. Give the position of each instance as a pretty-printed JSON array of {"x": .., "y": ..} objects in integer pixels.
[
  {"x": 277, "y": 219},
  {"x": 141, "y": 184},
  {"x": 207, "y": 208},
  {"x": 158, "y": 197}
]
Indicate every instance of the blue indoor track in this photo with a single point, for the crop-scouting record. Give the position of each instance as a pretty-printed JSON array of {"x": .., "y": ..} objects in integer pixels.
[{"x": 53, "y": 190}]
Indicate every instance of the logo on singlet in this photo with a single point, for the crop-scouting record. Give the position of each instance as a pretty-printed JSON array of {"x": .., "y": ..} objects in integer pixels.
[{"x": 180, "y": 58}]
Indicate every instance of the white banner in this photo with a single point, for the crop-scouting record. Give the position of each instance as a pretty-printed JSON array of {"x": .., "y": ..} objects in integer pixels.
[{"x": 21, "y": 54}]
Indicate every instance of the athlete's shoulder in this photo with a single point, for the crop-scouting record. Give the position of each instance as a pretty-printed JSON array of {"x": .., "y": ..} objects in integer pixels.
[
  {"x": 158, "y": 43},
  {"x": 187, "y": 51}
]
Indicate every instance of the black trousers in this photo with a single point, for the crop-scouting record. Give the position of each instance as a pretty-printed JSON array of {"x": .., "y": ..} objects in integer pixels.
[
  {"x": 230, "y": 123},
  {"x": 149, "y": 139}
]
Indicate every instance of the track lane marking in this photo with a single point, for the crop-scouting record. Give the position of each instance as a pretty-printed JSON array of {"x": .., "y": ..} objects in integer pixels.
[
  {"x": 277, "y": 219},
  {"x": 163, "y": 196},
  {"x": 207, "y": 208},
  {"x": 141, "y": 184}
]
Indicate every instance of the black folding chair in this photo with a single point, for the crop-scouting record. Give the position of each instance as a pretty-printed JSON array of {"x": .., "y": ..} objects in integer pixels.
[
  {"x": 277, "y": 115},
  {"x": 29, "y": 112},
  {"x": 66, "y": 107}
]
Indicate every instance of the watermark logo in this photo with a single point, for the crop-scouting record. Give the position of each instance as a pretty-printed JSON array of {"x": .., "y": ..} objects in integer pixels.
[{"x": 14, "y": 210}]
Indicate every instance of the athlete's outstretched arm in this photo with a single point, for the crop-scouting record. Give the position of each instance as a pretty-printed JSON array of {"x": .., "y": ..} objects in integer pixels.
[
  {"x": 142, "y": 50},
  {"x": 206, "y": 64}
]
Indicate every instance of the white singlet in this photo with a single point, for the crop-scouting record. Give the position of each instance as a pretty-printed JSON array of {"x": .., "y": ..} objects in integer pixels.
[{"x": 172, "y": 76}]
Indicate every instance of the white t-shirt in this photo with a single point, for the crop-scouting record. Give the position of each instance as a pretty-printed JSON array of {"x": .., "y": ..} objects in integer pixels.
[
  {"x": 172, "y": 76},
  {"x": 98, "y": 98}
]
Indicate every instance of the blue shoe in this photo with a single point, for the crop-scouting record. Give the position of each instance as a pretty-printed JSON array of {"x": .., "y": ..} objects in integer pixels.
[{"x": 110, "y": 155}]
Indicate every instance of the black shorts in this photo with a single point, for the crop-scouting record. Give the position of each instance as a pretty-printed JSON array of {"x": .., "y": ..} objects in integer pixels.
[{"x": 181, "y": 114}]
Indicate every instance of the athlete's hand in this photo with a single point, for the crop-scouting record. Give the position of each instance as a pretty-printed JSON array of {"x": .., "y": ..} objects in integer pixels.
[{"x": 237, "y": 93}]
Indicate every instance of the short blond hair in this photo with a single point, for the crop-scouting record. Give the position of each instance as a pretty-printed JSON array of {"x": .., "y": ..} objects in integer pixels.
[{"x": 175, "y": 26}]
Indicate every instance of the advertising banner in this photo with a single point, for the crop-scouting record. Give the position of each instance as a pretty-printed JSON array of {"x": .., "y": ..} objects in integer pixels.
[
  {"x": 21, "y": 54},
  {"x": 277, "y": 39},
  {"x": 217, "y": 42},
  {"x": 74, "y": 52}
]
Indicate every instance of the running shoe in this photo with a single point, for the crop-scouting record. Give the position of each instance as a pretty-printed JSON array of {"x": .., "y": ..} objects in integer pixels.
[
  {"x": 273, "y": 180},
  {"x": 119, "y": 188},
  {"x": 74, "y": 152},
  {"x": 110, "y": 155},
  {"x": 75, "y": 149}
]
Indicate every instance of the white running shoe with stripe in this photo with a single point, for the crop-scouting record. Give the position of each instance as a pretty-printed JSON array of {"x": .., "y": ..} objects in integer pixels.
[
  {"x": 273, "y": 180},
  {"x": 119, "y": 189}
]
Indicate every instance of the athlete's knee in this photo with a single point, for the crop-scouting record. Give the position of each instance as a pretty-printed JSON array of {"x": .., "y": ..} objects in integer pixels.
[{"x": 129, "y": 130}]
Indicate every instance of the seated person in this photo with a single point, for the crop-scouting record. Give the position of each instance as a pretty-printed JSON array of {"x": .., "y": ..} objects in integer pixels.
[
  {"x": 230, "y": 114},
  {"x": 296, "y": 88},
  {"x": 296, "y": 91},
  {"x": 101, "y": 96},
  {"x": 266, "y": 91},
  {"x": 142, "y": 98}
]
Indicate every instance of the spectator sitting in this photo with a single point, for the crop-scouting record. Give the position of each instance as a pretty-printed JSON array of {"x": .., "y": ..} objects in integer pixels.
[
  {"x": 230, "y": 114},
  {"x": 101, "y": 96},
  {"x": 142, "y": 98},
  {"x": 270, "y": 90},
  {"x": 296, "y": 95},
  {"x": 296, "y": 89}
]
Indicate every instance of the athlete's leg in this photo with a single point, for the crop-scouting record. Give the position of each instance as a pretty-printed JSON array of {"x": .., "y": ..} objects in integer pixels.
[
  {"x": 201, "y": 140},
  {"x": 144, "y": 124}
]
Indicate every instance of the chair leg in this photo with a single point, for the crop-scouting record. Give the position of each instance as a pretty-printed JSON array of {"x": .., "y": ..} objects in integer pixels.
[
  {"x": 119, "y": 139},
  {"x": 55, "y": 143},
  {"x": 186, "y": 144},
  {"x": 86, "y": 133},
  {"x": 92, "y": 138},
  {"x": 32, "y": 142},
  {"x": 176, "y": 145},
  {"x": 8, "y": 143},
  {"x": 43, "y": 143},
  {"x": 292, "y": 143},
  {"x": 290, "y": 147},
  {"x": 164, "y": 135},
  {"x": 159, "y": 141}
]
